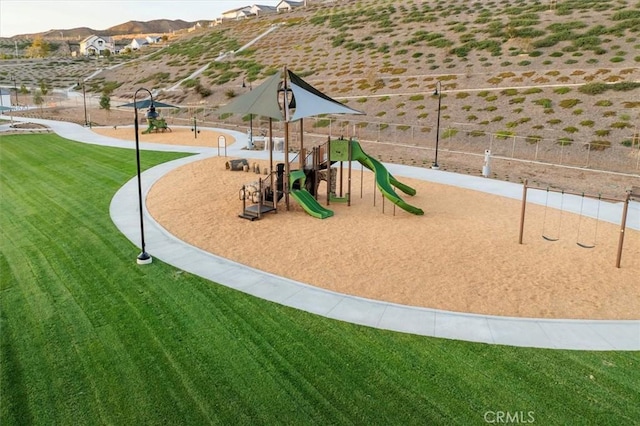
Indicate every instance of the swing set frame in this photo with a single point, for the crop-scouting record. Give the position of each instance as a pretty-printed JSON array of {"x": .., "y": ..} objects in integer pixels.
[{"x": 632, "y": 194}]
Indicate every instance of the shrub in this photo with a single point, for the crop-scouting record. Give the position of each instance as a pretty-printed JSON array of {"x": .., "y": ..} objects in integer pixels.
[
  {"x": 531, "y": 91},
  {"x": 449, "y": 133},
  {"x": 617, "y": 59},
  {"x": 504, "y": 134},
  {"x": 570, "y": 129},
  {"x": 544, "y": 102},
  {"x": 524, "y": 63},
  {"x": 564, "y": 141},
  {"x": 497, "y": 118},
  {"x": 604, "y": 103},
  {"x": 599, "y": 145},
  {"x": 621, "y": 125},
  {"x": 587, "y": 123},
  {"x": 509, "y": 92},
  {"x": 577, "y": 111},
  {"x": 569, "y": 103},
  {"x": 602, "y": 132},
  {"x": 416, "y": 98},
  {"x": 554, "y": 121},
  {"x": 518, "y": 100},
  {"x": 533, "y": 139},
  {"x": 561, "y": 90},
  {"x": 593, "y": 88}
]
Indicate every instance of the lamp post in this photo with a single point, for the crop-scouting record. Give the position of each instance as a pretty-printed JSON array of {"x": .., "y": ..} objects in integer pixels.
[
  {"x": 15, "y": 88},
  {"x": 244, "y": 85},
  {"x": 143, "y": 258},
  {"x": 438, "y": 93},
  {"x": 84, "y": 100}
]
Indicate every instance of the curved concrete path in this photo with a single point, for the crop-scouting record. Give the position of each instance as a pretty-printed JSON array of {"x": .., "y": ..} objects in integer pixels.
[{"x": 513, "y": 331}]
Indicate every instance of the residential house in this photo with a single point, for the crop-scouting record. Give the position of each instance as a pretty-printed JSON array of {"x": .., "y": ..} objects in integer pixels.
[
  {"x": 153, "y": 39},
  {"x": 137, "y": 43},
  {"x": 97, "y": 45},
  {"x": 236, "y": 14},
  {"x": 260, "y": 9},
  {"x": 288, "y": 5}
]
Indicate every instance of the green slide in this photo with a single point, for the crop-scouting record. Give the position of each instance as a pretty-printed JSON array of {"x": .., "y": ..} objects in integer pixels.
[
  {"x": 384, "y": 180},
  {"x": 304, "y": 197}
]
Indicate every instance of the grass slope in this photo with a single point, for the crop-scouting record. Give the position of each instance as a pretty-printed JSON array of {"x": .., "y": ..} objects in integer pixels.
[{"x": 89, "y": 337}]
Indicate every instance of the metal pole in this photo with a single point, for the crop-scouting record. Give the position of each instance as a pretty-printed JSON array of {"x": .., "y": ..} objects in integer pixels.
[
  {"x": 84, "y": 100},
  {"x": 438, "y": 92},
  {"x": 144, "y": 257},
  {"x": 15, "y": 88},
  {"x": 623, "y": 225},
  {"x": 524, "y": 206}
]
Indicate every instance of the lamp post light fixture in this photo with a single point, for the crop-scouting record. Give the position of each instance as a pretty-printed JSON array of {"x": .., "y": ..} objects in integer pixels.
[
  {"x": 244, "y": 85},
  {"x": 84, "y": 101},
  {"x": 143, "y": 258},
  {"x": 438, "y": 93}
]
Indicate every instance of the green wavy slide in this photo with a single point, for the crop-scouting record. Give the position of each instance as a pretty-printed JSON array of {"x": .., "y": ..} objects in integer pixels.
[
  {"x": 304, "y": 197},
  {"x": 384, "y": 180}
]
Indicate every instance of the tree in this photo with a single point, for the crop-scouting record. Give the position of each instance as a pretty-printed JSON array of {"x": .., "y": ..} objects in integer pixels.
[
  {"x": 44, "y": 88},
  {"x": 38, "y": 99},
  {"x": 39, "y": 48},
  {"x": 105, "y": 102}
]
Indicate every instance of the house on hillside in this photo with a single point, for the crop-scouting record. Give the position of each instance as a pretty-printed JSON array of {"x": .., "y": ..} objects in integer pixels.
[
  {"x": 137, "y": 43},
  {"x": 260, "y": 10},
  {"x": 153, "y": 39},
  {"x": 97, "y": 45},
  {"x": 236, "y": 14},
  {"x": 288, "y": 5}
]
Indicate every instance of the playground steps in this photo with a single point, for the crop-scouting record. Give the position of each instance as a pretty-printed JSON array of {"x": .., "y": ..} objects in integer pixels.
[{"x": 254, "y": 212}]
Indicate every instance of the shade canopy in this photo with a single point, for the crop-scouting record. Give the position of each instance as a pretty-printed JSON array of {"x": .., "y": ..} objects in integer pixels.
[
  {"x": 261, "y": 100},
  {"x": 146, "y": 103},
  {"x": 309, "y": 101},
  {"x": 304, "y": 100},
  {"x": 4, "y": 108}
]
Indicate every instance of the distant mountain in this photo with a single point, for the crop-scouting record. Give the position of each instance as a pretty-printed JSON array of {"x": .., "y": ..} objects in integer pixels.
[{"x": 157, "y": 26}]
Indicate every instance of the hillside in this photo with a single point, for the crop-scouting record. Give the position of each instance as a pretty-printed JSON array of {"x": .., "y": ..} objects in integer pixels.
[
  {"x": 523, "y": 78},
  {"x": 157, "y": 26}
]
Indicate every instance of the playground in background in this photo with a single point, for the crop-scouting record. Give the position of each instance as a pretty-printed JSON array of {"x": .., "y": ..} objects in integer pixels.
[{"x": 303, "y": 183}]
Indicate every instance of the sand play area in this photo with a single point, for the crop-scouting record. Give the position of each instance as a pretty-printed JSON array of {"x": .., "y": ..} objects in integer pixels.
[{"x": 462, "y": 255}]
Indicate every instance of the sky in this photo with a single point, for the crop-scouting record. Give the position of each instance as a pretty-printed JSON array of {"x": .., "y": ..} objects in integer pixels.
[{"x": 34, "y": 16}]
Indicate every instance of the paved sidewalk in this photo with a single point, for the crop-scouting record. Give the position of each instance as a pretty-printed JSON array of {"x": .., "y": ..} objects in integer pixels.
[{"x": 530, "y": 332}]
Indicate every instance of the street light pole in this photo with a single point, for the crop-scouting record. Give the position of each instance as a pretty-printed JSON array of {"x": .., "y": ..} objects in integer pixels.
[
  {"x": 84, "y": 100},
  {"x": 437, "y": 92},
  {"x": 143, "y": 258},
  {"x": 250, "y": 117},
  {"x": 15, "y": 88}
]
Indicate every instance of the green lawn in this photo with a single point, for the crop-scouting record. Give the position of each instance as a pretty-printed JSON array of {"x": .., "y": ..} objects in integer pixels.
[{"x": 89, "y": 337}]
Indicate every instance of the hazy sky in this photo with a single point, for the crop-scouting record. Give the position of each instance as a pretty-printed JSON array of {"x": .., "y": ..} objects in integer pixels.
[{"x": 34, "y": 16}]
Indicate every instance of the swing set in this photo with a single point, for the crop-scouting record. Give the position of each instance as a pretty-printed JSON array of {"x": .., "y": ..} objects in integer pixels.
[{"x": 554, "y": 233}]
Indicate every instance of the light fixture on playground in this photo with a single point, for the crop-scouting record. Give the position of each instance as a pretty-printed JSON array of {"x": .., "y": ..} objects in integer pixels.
[
  {"x": 438, "y": 93},
  {"x": 143, "y": 258}
]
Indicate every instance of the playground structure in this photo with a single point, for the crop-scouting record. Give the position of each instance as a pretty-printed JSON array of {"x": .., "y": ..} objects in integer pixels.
[
  {"x": 303, "y": 184},
  {"x": 286, "y": 97},
  {"x": 632, "y": 194},
  {"x": 156, "y": 125}
]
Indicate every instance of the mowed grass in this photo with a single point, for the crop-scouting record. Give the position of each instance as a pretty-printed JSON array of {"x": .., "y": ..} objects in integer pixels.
[{"x": 89, "y": 337}]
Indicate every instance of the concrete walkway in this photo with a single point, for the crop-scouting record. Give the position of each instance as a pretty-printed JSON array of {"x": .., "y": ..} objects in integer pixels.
[{"x": 529, "y": 332}]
